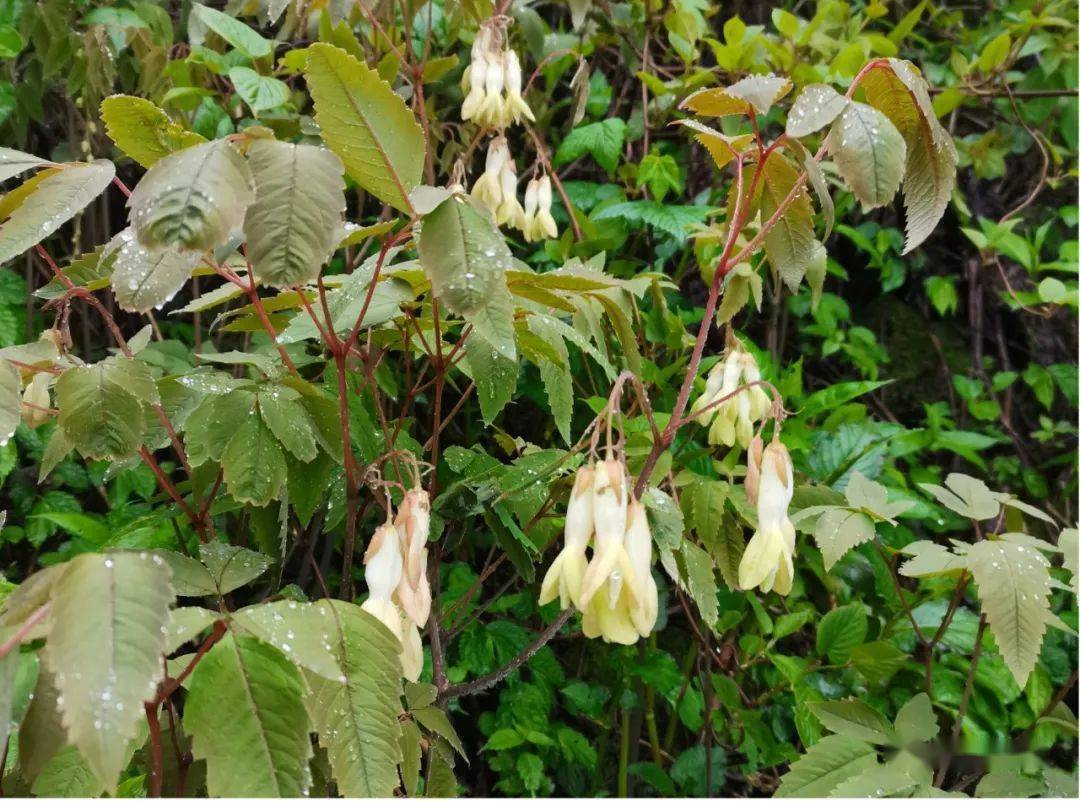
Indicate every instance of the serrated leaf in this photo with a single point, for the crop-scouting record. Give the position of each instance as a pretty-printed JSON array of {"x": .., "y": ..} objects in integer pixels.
[
  {"x": 304, "y": 632},
  {"x": 966, "y": 496},
  {"x": 825, "y": 765},
  {"x": 366, "y": 123},
  {"x": 435, "y": 720},
  {"x": 853, "y": 718},
  {"x": 760, "y": 91},
  {"x": 672, "y": 219},
  {"x": 245, "y": 714},
  {"x": 231, "y": 566},
  {"x": 356, "y": 720},
  {"x": 1069, "y": 543},
  {"x": 185, "y": 624},
  {"x": 603, "y": 140},
  {"x": 253, "y": 464},
  {"x": 233, "y": 31},
  {"x": 142, "y": 130},
  {"x": 192, "y": 199},
  {"x": 555, "y": 373},
  {"x": 1014, "y": 589},
  {"x": 18, "y": 677},
  {"x": 696, "y": 575},
  {"x": 930, "y": 173},
  {"x": 840, "y": 630},
  {"x": 56, "y": 196},
  {"x": 789, "y": 244},
  {"x": 869, "y": 152},
  {"x": 466, "y": 258},
  {"x": 10, "y": 400},
  {"x": 495, "y": 376},
  {"x": 815, "y": 107},
  {"x": 915, "y": 721},
  {"x": 104, "y": 650},
  {"x": 291, "y": 228},
  {"x": 42, "y": 733},
  {"x": 101, "y": 406},
  {"x": 878, "y": 661},
  {"x": 214, "y": 422},
  {"x": 838, "y": 530},
  {"x": 723, "y": 149},
  {"x": 144, "y": 279},
  {"x": 288, "y": 421},
  {"x": 714, "y": 101},
  {"x": 260, "y": 92},
  {"x": 929, "y": 559},
  {"x": 720, "y": 533}
]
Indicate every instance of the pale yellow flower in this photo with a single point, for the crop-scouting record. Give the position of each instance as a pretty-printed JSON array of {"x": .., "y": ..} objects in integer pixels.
[
  {"x": 767, "y": 561},
  {"x": 564, "y": 577}
]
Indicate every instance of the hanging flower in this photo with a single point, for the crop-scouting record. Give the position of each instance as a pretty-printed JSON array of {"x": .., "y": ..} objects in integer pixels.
[
  {"x": 609, "y": 521},
  {"x": 767, "y": 561},
  {"x": 733, "y": 420},
  {"x": 639, "y": 551},
  {"x": 494, "y": 81},
  {"x": 609, "y": 614},
  {"x": 383, "y": 571},
  {"x": 516, "y": 109},
  {"x": 538, "y": 222},
  {"x": 496, "y": 188},
  {"x": 35, "y": 400},
  {"x": 564, "y": 577},
  {"x": 413, "y": 524}
]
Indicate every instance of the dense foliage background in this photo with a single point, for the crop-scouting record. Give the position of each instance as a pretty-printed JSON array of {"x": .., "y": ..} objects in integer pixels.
[{"x": 959, "y": 357}]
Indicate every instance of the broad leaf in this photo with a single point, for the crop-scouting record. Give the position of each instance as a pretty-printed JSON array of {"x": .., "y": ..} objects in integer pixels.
[
  {"x": 291, "y": 228},
  {"x": 1014, "y": 588},
  {"x": 838, "y": 530},
  {"x": 231, "y": 566},
  {"x": 366, "y": 123},
  {"x": 815, "y": 107},
  {"x": 869, "y": 152},
  {"x": 104, "y": 650},
  {"x": 603, "y": 140},
  {"x": 10, "y": 400},
  {"x": 825, "y": 765},
  {"x": 853, "y": 718},
  {"x": 789, "y": 244},
  {"x": 357, "y": 719},
  {"x": 246, "y": 716},
  {"x": 253, "y": 463},
  {"x": 233, "y": 31},
  {"x": 57, "y": 195},
  {"x": 930, "y": 559},
  {"x": 101, "y": 406},
  {"x": 760, "y": 91},
  {"x": 288, "y": 421},
  {"x": 304, "y": 632},
  {"x": 145, "y": 279},
  {"x": 840, "y": 630},
  {"x": 722, "y": 536},
  {"x": 260, "y": 92},
  {"x": 466, "y": 258},
  {"x": 15, "y": 162},
  {"x": 916, "y": 721},
  {"x": 966, "y": 496},
  {"x": 495, "y": 376},
  {"x": 142, "y": 130},
  {"x": 193, "y": 199}
]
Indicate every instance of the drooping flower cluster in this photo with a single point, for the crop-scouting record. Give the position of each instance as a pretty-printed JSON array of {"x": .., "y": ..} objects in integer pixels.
[
  {"x": 496, "y": 188},
  {"x": 396, "y": 575},
  {"x": 733, "y": 420},
  {"x": 494, "y": 82},
  {"x": 538, "y": 223},
  {"x": 770, "y": 483},
  {"x": 615, "y": 591}
]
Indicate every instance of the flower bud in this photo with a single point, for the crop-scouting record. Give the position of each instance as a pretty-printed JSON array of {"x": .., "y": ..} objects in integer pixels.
[{"x": 35, "y": 400}]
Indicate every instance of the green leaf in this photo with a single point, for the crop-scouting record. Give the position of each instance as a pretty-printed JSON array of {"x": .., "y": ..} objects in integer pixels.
[
  {"x": 760, "y": 91},
  {"x": 869, "y": 152},
  {"x": 839, "y": 630},
  {"x": 101, "y": 406},
  {"x": 366, "y": 123},
  {"x": 930, "y": 173},
  {"x": 231, "y": 566},
  {"x": 878, "y": 661},
  {"x": 838, "y": 530},
  {"x": 435, "y": 720},
  {"x": 209, "y": 428},
  {"x": 1014, "y": 589},
  {"x": 55, "y": 197},
  {"x": 233, "y": 31},
  {"x": 142, "y": 130},
  {"x": 18, "y": 676},
  {"x": 192, "y": 199},
  {"x": 10, "y": 400},
  {"x": 304, "y": 632},
  {"x": 245, "y": 713},
  {"x": 253, "y": 463},
  {"x": 672, "y": 219},
  {"x": 555, "y": 373},
  {"x": 930, "y": 559},
  {"x": 789, "y": 244},
  {"x": 1069, "y": 543},
  {"x": 495, "y": 376},
  {"x": 696, "y": 569},
  {"x": 260, "y": 92},
  {"x": 853, "y": 718},
  {"x": 916, "y": 721},
  {"x": 104, "y": 650},
  {"x": 720, "y": 533},
  {"x": 291, "y": 228},
  {"x": 356, "y": 720},
  {"x": 289, "y": 422},
  {"x": 466, "y": 258},
  {"x": 144, "y": 279},
  {"x": 966, "y": 496},
  {"x": 815, "y": 107},
  {"x": 602, "y": 140},
  {"x": 825, "y": 765},
  {"x": 15, "y": 162}
]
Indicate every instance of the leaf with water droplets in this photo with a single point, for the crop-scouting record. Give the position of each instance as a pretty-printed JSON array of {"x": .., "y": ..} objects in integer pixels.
[
  {"x": 304, "y": 632},
  {"x": 214, "y": 422},
  {"x": 232, "y": 566},
  {"x": 714, "y": 102},
  {"x": 10, "y": 400},
  {"x": 18, "y": 675},
  {"x": 495, "y": 376},
  {"x": 253, "y": 463},
  {"x": 41, "y": 734},
  {"x": 102, "y": 406},
  {"x": 1014, "y": 589},
  {"x": 292, "y": 227},
  {"x": 869, "y": 152},
  {"x": 723, "y": 149},
  {"x": 142, "y": 130},
  {"x": 104, "y": 650},
  {"x": 246, "y": 717},
  {"x": 466, "y": 258},
  {"x": 900, "y": 92},
  {"x": 52, "y": 201},
  {"x": 815, "y": 107},
  {"x": 357, "y": 719},
  {"x": 789, "y": 244},
  {"x": 193, "y": 199},
  {"x": 15, "y": 162},
  {"x": 288, "y": 420},
  {"x": 185, "y": 624},
  {"x": 144, "y": 279}
]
